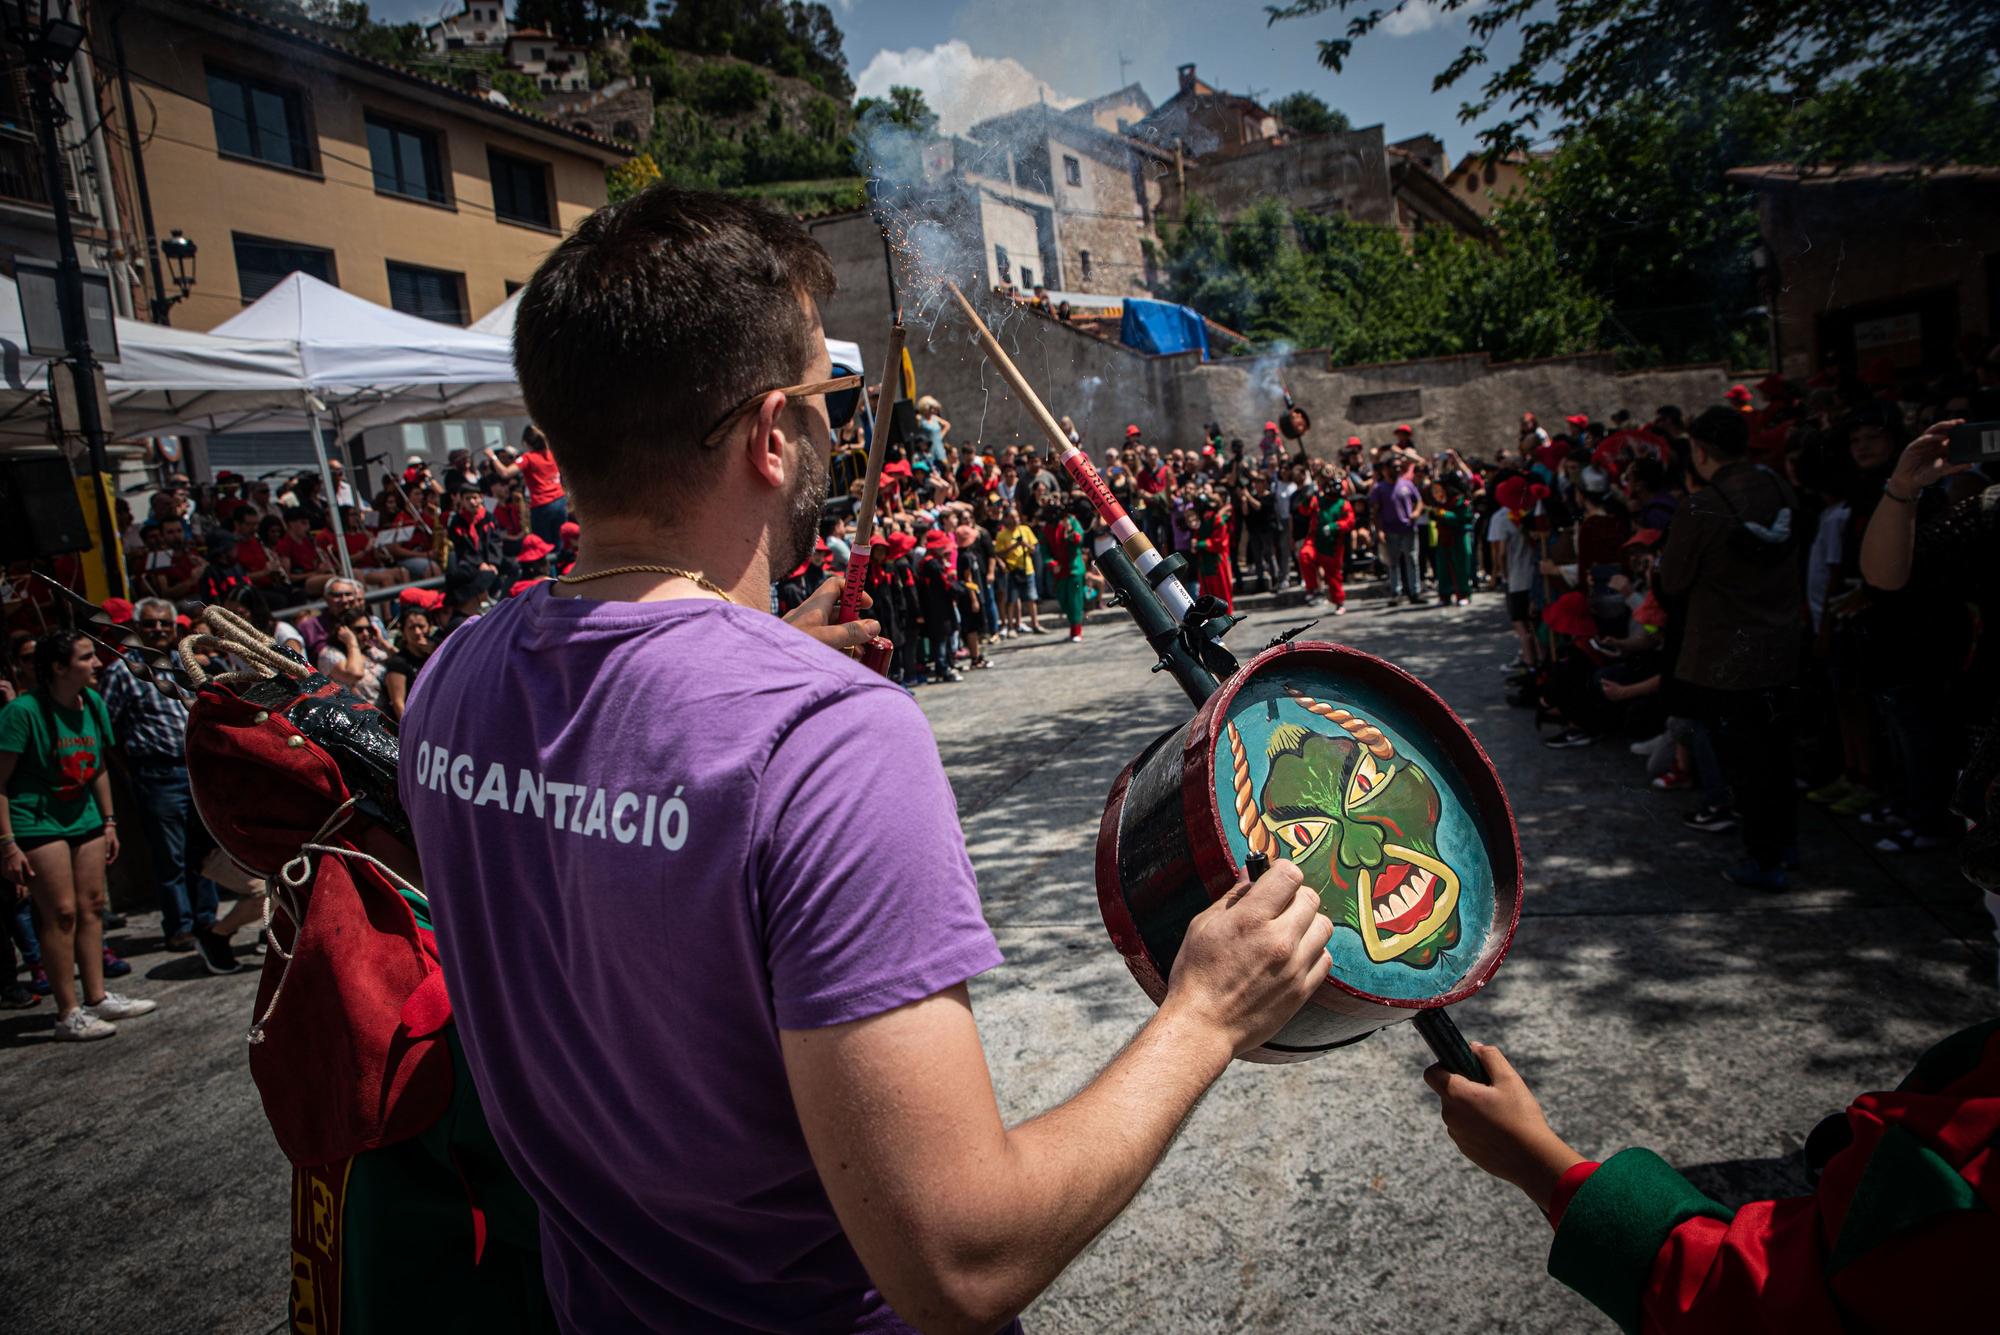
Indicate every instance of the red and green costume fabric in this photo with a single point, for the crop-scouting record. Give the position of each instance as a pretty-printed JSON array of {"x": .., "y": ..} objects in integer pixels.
[
  {"x": 1211, "y": 559},
  {"x": 404, "y": 1216},
  {"x": 1897, "y": 1237},
  {"x": 1454, "y": 526},
  {"x": 1067, "y": 541},
  {"x": 1324, "y": 554}
]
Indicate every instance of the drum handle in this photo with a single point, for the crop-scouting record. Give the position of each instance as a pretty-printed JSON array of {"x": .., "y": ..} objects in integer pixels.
[{"x": 1448, "y": 1044}]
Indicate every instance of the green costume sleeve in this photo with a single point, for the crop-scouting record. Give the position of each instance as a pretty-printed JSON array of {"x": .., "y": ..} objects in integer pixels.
[{"x": 1616, "y": 1224}]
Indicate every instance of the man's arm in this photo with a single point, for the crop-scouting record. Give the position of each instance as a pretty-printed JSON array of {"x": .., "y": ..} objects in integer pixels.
[{"x": 962, "y": 1221}]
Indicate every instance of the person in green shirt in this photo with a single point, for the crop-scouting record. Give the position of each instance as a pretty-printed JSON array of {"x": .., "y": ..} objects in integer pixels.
[{"x": 57, "y": 830}]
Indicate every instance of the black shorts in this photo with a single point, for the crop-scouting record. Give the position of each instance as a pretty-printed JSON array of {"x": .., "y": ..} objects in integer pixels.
[
  {"x": 1519, "y": 608},
  {"x": 42, "y": 840}
]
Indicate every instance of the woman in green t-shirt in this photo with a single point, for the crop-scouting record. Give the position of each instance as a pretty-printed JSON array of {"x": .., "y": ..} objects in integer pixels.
[{"x": 57, "y": 831}]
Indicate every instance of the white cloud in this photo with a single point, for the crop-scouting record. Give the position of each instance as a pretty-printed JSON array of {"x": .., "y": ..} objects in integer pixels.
[
  {"x": 961, "y": 87},
  {"x": 1421, "y": 16}
]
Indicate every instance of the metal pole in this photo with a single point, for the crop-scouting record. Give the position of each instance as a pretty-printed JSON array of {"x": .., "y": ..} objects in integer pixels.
[
  {"x": 76, "y": 333},
  {"x": 161, "y": 306},
  {"x": 326, "y": 485}
]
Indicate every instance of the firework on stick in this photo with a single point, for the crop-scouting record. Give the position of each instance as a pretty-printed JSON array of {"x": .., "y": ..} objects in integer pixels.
[{"x": 1136, "y": 545}]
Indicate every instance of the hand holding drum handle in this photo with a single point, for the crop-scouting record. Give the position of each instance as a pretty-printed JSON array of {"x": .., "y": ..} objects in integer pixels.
[
  {"x": 1435, "y": 1026},
  {"x": 1438, "y": 1029}
]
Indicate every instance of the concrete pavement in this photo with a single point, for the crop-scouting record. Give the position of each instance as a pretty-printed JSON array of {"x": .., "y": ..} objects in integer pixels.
[{"x": 1647, "y": 1001}]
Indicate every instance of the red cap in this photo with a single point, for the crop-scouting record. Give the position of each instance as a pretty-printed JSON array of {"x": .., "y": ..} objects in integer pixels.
[
  {"x": 937, "y": 540},
  {"x": 1270, "y": 426},
  {"x": 118, "y": 609},
  {"x": 534, "y": 547},
  {"x": 1208, "y": 449},
  {"x": 425, "y": 600},
  {"x": 1645, "y": 537},
  {"x": 1354, "y": 440},
  {"x": 1578, "y": 420},
  {"x": 1737, "y": 394},
  {"x": 571, "y": 531},
  {"x": 1132, "y": 429},
  {"x": 1404, "y": 430},
  {"x": 521, "y": 586}
]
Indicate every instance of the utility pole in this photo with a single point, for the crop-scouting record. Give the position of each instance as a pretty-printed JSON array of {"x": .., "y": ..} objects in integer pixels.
[
  {"x": 48, "y": 46},
  {"x": 1122, "y": 63},
  {"x": 159, "y": 305}
]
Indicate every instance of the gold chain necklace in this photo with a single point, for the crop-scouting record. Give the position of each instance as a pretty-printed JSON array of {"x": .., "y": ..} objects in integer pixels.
[{"x": 694, "y": 577}]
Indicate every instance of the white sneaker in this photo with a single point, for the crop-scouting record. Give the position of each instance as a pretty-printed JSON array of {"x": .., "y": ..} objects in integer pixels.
[
  {"x": 115, "y": 1007},
  {"x": 80, "y": 1026}
]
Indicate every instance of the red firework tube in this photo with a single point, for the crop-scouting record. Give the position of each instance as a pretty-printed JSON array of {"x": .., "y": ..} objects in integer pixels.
[{"x": 1136, "y": 544}]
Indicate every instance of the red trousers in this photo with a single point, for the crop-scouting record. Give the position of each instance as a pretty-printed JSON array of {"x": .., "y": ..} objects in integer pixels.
[{"x": 1330, "y": 565}]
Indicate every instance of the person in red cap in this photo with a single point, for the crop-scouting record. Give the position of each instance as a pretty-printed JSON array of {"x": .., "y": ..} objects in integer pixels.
[
  {"x": 1577, "y": 423},
  {"x": 937, "y": 602},
  {"x": 1067, "y": 546},
  {"x": 1132, "y": 432},
  {"x": 1739, "y": 395},
  {"x": 1324, "y": 554},
  {"x": 1406, "y": 439},
  {"x": 570, "y": 536}
]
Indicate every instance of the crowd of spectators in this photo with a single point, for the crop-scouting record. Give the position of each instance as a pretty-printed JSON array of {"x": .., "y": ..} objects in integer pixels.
[{"x": 1697, "y": 586}]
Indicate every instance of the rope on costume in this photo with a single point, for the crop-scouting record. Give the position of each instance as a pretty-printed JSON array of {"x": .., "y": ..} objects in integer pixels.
[
  {"x": 294, "y": 875},
  {"x": 1361, "y": 729},
  {"x": 231, "y": 634},
  {"x": 1248, "y": 820}
]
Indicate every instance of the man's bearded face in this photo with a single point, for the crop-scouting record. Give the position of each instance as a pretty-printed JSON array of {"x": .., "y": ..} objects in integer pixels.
[{"x": 808, "y": 494}]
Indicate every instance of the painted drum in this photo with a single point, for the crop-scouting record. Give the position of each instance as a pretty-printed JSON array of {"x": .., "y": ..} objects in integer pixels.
[{"x": 1357, "y": 772}]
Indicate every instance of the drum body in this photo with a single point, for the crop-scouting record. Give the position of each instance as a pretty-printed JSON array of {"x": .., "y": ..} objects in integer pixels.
[{"x": 1358, "y": 773}]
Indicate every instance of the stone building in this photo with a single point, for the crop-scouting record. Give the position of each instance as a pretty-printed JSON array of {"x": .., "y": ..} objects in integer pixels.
[
  {"x": 481, "y": 26},
  {"x": 1063, "y": 200},
  {"x": 554, "y": 65},
  {"x": 1483, "y": 186},
  {"x": 621, "y": 110},
  {"x": 1879, "y": 265},
  {"x": 1199, "y": 119},
  {"x": 1353, "y": 174}
]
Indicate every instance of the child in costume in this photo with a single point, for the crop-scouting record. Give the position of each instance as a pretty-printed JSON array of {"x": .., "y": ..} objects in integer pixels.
[{"x": 1895, "y": 1238}]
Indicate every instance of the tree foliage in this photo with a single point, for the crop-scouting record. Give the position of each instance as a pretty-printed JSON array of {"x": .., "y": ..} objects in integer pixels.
[
  {"x": 1308, "y": 113},
  {"x": 905, "y": 106},
  {"x": 795, "y": 39},
  {"x": 1580, "y": 58},
  {"x": 1359, "y": 291}
]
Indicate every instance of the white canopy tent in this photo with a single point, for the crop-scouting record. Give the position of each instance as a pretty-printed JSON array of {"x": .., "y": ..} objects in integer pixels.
[
  {"x": 166, "y": 380},
  {"x": 496, "y": 399}
]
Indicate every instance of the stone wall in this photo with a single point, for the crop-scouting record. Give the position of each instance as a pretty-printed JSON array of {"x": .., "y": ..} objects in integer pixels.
[
  {"x": 622, "y": 109},
  {"x": 1346, "y": 173},
  {"x": 1469, "y": 403}
]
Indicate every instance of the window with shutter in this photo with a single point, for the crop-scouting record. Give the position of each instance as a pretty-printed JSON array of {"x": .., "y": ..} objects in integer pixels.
[{"x": 433, "y": 294}]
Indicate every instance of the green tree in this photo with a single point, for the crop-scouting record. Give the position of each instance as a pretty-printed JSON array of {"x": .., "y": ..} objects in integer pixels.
[
  {"x": 905, "y": 106},
  {"x": 1364, "y": 294},
  {"x": 1579, "y": 58},
  {"x": 1308, "y": 113}
]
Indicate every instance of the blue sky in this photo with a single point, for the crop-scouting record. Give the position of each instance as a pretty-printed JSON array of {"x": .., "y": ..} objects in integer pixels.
[{"x": 976, "y": 58}]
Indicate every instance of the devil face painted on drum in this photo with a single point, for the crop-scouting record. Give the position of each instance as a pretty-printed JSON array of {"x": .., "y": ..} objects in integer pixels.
[{"x": 1361, "y": 821}]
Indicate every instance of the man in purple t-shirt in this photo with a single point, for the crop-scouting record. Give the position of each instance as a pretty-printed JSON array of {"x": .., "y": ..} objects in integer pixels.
[
  {"x": 704, "y": 905},
  {"x": 1395, "y": 499}
]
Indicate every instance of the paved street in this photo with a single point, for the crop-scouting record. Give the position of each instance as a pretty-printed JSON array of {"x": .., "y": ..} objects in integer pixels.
[{"x": 1646, "y": 1000}]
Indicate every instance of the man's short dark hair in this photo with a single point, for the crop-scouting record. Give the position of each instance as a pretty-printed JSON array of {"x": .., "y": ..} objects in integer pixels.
[
  {"x": 652, "y": 319},
  {"x": 1722, "y": 432}
]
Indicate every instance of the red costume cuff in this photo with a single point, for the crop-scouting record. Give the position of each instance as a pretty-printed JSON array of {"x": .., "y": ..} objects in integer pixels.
[{"x": 1566, "y": 1185}]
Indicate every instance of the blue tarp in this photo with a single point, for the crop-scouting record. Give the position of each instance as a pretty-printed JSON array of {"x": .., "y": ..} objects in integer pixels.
[{"x": 1161, "y": 326}]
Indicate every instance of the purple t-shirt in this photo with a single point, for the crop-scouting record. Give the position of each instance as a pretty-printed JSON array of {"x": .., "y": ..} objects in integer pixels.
[
  {"x": 1395, "y": 505},
  {"x": 653, "y": 834}
]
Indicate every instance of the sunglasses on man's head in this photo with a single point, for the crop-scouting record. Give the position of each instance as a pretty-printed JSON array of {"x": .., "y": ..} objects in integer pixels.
[{"x": 842, "y": 390}]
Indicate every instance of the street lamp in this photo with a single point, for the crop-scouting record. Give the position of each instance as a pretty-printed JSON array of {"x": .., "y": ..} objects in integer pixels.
[
  {"x": 48, "y": 38},
  {"x": 179, "y": 251}
]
